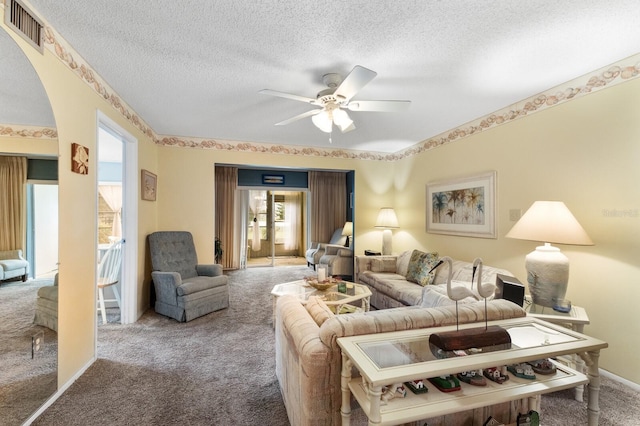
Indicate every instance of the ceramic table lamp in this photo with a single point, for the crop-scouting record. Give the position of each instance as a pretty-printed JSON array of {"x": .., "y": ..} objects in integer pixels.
[
  {"x": 547, "y": 268},
  {"x": 387, "y": 220}
]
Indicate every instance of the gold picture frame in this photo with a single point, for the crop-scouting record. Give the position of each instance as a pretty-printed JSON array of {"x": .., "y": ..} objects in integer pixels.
[{"x": 149, "y": 183}]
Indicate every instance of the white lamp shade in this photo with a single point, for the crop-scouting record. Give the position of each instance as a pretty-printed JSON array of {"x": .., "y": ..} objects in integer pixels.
[
  {"x": 387, "y": 218},
  {"x": 550, "y": 222},
  {"x": 322, "y": 121},
  {"x": 348, "y": 229},
  {"x": 341, "y": 119}
]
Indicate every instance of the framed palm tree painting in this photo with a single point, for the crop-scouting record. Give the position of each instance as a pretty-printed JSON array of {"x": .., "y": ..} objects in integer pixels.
[{"x": 463, "y": 206}]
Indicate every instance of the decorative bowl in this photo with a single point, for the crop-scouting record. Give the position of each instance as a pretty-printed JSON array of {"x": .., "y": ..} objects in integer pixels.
[{"x": 321, "y": 285}]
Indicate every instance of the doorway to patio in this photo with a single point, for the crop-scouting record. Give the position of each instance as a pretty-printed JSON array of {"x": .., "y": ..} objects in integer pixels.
[{"x": 275, "y": 231}]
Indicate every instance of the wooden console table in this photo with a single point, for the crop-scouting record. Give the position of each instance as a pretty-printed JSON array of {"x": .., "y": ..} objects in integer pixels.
[{"x": 386, "y": 359}]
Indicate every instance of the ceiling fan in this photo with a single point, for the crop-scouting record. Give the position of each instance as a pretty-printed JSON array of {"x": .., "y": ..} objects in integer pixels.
[{"x": 336, "y": 98}]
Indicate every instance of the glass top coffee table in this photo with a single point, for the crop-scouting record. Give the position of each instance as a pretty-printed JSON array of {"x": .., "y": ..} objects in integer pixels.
[
  {"x": 387, "y": 359},
  {"x": 339, "y": 303}
]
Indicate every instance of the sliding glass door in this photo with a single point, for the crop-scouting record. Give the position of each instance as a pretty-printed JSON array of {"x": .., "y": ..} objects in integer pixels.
[{"x": 274, "y": 226}]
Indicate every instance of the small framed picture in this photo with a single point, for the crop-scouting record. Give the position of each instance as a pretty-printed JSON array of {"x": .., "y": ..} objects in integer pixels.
[
  {"x": 79, "y": 159},
  {"x": 273, "y": 179},
  {"x": 149, "y": 185}
]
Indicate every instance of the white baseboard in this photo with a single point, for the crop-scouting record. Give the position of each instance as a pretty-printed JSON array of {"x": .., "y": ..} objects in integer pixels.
[
  {"x": 632, "y": 385},
  {"x": 58, "y": 393}
]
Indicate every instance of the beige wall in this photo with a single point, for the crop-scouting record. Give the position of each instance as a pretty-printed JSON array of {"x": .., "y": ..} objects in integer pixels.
[
  {"x": 32, "y": 146},
  {"x": 186, "y": 186},
  {"x": 75, "y": 106},
  {"x": 586, "y": 153}
]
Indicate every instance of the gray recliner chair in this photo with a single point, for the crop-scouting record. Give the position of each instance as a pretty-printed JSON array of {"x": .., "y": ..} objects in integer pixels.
[{"x": 184, "y": 289}]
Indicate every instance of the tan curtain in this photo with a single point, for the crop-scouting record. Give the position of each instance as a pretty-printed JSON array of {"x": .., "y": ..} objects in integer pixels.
[
  {"x": 328, "y": 191},
  {"x": 13, "y": 177},
  {"x": 226, "y": 184}
]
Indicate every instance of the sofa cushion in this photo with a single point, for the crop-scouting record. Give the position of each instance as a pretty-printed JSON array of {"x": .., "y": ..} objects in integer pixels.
[
  {"x": 420, "y": 266},
  {"x": 436, "y": 295},
  {"x": 402, "y": 262},
  {"x": 383, "y": 265},
  {"x": 318, "y": 310},
  {"x": 394, "y": 286}
]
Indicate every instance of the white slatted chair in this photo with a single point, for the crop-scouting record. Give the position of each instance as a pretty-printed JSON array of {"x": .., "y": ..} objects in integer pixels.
[{"x": 109, "y": 275}]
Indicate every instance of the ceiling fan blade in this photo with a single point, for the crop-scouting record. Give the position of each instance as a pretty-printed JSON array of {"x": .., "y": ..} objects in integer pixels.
[
  {"x": 379, "y": 106},
  {"x": 287, "y": 96},
  {"x": 299, "y": 117},
  {"x": 356, "y": 80}
]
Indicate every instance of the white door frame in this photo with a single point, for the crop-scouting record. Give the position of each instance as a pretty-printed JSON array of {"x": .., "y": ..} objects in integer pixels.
[{"x": 129, "y": 289}]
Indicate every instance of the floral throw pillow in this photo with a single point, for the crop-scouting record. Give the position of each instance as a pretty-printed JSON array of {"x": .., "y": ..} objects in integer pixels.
[{"x": 419, "y": 266}]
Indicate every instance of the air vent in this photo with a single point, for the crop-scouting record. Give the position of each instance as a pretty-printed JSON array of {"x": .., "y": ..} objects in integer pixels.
[{"x": 24, "y": 22}]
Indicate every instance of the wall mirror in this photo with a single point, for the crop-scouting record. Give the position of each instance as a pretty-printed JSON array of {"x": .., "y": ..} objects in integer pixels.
[{"x": 28, "y": 352}]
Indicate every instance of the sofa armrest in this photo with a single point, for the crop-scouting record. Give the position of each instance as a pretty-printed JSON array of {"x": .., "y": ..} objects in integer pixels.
[
  {"x": 166, "y": 284},
  {"x": 369, "y": 263},
  {"x": 209, "y": 270},
  {"x": 335, "y": 249},
  {"x": 11, "y": 254},
  {"x": 314, "y": 245},
  {"x": 307, "y": 371}
]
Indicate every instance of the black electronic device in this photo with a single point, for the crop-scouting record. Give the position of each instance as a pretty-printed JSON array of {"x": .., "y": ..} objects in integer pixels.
[
  {"x": 372, "y": 253},
  {"x": 509, "y": 288}
]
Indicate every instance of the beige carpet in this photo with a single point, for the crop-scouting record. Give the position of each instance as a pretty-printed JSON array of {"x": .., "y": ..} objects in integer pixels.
[
  {"x": 25, "y": 382},
  {"x": 279, "y": 261},
  {"x": 219, "y": 370}
]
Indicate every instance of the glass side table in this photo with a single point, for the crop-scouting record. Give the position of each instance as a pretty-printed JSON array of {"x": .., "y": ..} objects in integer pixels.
[{"x": 575, "y": 319}]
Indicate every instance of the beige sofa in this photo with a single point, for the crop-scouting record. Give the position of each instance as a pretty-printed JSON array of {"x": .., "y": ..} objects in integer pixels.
[
  {"x": 386, "y": 277},
  {"x": 308, "y": 358}
]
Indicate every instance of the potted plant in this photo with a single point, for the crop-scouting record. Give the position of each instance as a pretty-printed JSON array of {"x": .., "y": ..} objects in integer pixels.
[{"x": 218, "y": 250}]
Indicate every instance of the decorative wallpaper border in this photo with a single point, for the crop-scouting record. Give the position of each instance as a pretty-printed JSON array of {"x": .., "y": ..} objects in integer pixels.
[
  {"x": 619, "y": 72},
  {"x": 14, "y": 131},
  {"x": 611, "y": 75}
]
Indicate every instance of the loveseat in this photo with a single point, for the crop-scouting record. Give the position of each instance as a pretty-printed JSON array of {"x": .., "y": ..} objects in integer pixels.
[
  {"x": 13, "y": 265},
  {"x": 387, "y": 278},
  {"x": 308, "y": 358}
]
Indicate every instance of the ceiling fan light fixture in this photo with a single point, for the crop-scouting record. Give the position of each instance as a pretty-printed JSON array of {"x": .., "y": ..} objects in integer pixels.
[
  {"x": 342, "y": 119},
  {"x": 322, "y": 121}
]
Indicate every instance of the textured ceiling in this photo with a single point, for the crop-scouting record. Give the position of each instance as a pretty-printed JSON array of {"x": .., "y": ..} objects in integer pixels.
[{"x": 194, "y": 68}]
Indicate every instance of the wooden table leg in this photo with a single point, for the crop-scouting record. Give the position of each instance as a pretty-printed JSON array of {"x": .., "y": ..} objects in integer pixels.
[
  {"x": 593, "y": 404},
  {"x": 345, "y": 410},
  {"x": 375, "y": 392},
  {"x": 580, "y": 366}
]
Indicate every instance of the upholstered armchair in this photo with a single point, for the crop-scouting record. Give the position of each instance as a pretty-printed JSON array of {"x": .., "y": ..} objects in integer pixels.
[
  {"x": 316, "y": 251},
  {"x": 339, "y": 261},
  {"x": 47, "y": 306},
  {"x": 184, "y": 289}
]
